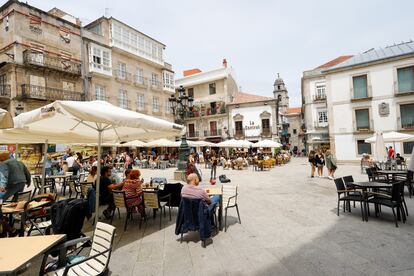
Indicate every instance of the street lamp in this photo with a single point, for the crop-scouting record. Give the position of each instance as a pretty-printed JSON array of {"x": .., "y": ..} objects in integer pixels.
[{"x": 181, "y": 106}]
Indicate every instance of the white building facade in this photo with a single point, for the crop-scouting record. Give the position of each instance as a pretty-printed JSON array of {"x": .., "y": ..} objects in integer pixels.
[{"x": 368, "y": 93}]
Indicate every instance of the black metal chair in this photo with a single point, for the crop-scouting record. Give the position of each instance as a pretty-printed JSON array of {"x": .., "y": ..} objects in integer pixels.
[
  {"x": 393, "y": 201},
  {"x": 348, "y": 195},
  {"x": 74, "y": 188},
  {"x": 120, "y": 201},
  {"x": 37, "y": 183}
]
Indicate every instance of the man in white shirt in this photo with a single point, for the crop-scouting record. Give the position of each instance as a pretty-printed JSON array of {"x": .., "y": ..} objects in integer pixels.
[{"x": 70, "y": 160}]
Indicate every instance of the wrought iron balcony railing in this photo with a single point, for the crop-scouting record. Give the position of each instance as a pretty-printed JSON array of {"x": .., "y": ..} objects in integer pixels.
[
  {"x": 319, "y": 98},
  {"x": 266, "y": 132},
  {"x": 193, "y": 134},
  {"x": 48, "y": 93},
  {"x": 48, "y": 61},
  {"x": 122, "y": 75},
  {"x": 140, "y": 80},
  {"x": 156, "y": 85},
  {"x": 214, "y": 132}
]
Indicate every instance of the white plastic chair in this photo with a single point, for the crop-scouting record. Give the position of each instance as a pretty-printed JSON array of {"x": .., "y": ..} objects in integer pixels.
[
  {"x": 97, "y": 261},
  {"x": 229, "y": 201}
]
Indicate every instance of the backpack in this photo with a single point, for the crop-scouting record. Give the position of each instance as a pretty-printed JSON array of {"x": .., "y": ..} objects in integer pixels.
[{"x": 223, "y": 179}]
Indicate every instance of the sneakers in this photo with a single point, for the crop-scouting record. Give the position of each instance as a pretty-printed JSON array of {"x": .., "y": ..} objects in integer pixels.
[{"x": 330, "y": 177}]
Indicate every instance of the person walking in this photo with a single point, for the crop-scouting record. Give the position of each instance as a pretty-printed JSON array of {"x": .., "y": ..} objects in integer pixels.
[
  {"x": 319, "y": 162},
  {"x": 14, "y": 176},
  {"x": 214, "y": 162},
  {"x": 312, "y": 163},
  {"x": 330, "y": 164}
]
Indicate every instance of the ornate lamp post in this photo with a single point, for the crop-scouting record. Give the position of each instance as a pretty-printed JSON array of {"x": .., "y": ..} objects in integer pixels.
[{"x": 181, "y": 105}]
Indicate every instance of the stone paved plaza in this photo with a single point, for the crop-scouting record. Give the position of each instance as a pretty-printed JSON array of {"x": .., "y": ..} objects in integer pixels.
[{"x": 289, "y": 227}]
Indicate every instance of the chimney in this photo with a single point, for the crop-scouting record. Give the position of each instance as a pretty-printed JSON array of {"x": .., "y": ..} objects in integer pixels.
[{"x": 224, "y": 63}]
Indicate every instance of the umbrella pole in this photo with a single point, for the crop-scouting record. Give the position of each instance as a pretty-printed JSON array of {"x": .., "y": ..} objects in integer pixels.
[
  {"x": 44, "y": 167},
  {"x": 98, "y": 177}
]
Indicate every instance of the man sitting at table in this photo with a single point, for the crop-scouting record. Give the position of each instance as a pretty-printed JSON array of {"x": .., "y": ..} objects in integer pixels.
[
  {"x": 15, "y": 175},
  {"x": 105, "y": 194},
  {"x": 193, "y": 191}
]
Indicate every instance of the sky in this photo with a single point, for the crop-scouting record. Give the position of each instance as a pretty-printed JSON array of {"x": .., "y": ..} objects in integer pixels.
[{"x": 259, "y": 38}]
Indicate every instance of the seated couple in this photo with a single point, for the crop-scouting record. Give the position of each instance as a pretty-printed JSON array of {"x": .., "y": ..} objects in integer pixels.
[
  {"x": 131, "y": 185},
  {"x": 193, "y": 191}
]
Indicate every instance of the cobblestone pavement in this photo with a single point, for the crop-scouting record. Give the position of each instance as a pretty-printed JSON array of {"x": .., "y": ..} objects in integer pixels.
[{"x": 289, "y": 227}]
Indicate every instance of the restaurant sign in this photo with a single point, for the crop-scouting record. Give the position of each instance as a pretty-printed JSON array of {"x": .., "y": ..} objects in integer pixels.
[{"x": 47, "y": 111}]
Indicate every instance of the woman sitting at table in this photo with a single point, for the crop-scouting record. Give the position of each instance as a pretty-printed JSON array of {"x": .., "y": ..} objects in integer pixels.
[{"x": 132, "y": 188}]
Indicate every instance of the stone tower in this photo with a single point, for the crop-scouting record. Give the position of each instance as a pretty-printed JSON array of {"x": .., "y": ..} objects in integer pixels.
[{"x": 280, "y": 91}]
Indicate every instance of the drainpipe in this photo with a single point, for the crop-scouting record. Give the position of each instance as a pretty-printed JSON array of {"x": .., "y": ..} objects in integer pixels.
[{"x": 83, "y": 67}]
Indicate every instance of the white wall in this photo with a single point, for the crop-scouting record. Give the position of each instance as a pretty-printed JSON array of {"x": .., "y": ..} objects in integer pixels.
[
  {"x": 341, "y": 110},
  {"x": 252, "y": 123}
]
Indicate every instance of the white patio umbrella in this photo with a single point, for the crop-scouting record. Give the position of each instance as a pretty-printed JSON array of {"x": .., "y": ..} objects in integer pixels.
[
  {"x": 163, "y": 143},
  {"x": 201, "y": 144},
  {"x": 411, "y": 163},
  {"x": 267, "y": 144},
  {"x": 392, "y": 137},
  {"x": 380, "y": 154},
  {"x": 6, "y": 120},
  {"x": 233, "y": 143},
  {"x": 135, "y": 143},
  {"x": 95, "y": 119}
]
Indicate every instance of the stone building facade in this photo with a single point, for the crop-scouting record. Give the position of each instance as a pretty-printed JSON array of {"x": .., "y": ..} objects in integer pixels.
[{"x": 40, "y": 57}]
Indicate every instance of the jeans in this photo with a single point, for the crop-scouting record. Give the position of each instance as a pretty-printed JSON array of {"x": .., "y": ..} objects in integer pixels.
[
  {"x": 214, "y": 201},
  {"x": 213, "y": 171}
]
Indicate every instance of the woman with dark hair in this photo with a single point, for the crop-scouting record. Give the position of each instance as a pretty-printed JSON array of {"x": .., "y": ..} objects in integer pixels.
[{"x": 311, "y": 160}]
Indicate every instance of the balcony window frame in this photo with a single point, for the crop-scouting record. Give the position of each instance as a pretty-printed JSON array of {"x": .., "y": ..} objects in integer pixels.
[
  {"x": 123, "y": 100},
  {"x": 367, "y": 86},
  {"x": 407, "y": 147},
  {"x": 319, "y": 92},
  {"x": 322, "y": 114},
  {"x": 212, "y": 88},
  {"x": 368, "y": 110},
  {"x": 100, "y": 92},
  {"x": 122, "y": 71},
  {"x": 100, "y": 59},
  {"x": 397, "y": 86},
  {"x": 140, "y": 101},
  {"x": 155, "y": 104},
  {"x": 402, "y": 125},
  {"x": 358, "y": 148}
]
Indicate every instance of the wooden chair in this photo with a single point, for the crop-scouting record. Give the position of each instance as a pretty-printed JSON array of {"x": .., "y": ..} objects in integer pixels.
[
  {"x": 84, "y": 187},
  {"x": 230, "y": 201},
  {"x": 97, "y": 261},
  {"x": 120, "y": 201},
  {"x": 74, "y": 188},
  {"x": 152, "y": 200}
]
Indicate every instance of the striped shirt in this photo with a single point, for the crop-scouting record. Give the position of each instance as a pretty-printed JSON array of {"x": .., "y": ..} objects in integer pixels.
[{"x": 194, "y": 192}]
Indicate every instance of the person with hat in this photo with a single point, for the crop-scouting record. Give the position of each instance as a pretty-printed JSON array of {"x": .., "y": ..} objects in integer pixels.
[{"x": 15, "y": 175}]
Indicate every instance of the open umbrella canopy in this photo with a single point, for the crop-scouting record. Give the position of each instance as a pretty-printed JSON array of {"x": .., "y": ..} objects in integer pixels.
[
  {"x": 163, "y": 143},
  {"x": 391, "y": 137},
  {"x": 85, "y": 118},
  {"x": 233, "y": 143},
  {"x": 135, "y": 143},
  {"x": 6, "y": 120},
  {"x": 267, "y": 144},
  {"x": 201, "y": 144},
  {"x": 95, "y": 119}
]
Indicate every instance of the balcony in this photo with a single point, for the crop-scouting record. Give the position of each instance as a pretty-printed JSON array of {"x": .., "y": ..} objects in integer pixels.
[
  {"x": 193, "y": 134},
  {"x": 266, "y": 132},
  {"x": 365, "y": 129},
  {"x": 122, "y": 76},
  {"x": 212, "y": 133},
  {"x": 404, "y": 89},
  {"x": 362, "y": 97},
  {"x": 97, "y": 97},
  {"x": 319, "y": 98},
  {"x": 140, "y": 81},
  {"x": 44, "y": 60},
  {"x": 5, "y": 91},
  {"x": 239, "y": 134},
  {"x": 36, "y": 92},
  {"x": 156, "y": 85},
  {"x": 206, "y": 110},
  {"x": 318, "y": 124}
]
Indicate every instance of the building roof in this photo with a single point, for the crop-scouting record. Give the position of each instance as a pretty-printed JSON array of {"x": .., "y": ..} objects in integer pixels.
[
  {"x": 292, "y": 110},
  {"x": 373, "y": 55},
  {"x": 203, "y": 77},
  {"x": 241, "y": 97},
  {"x": 190, "y": 72},
  {"x": 334, "y": 62}
]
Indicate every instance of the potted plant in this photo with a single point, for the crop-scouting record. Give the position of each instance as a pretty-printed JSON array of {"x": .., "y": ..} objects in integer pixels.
[{"x": 222, "y": 109}]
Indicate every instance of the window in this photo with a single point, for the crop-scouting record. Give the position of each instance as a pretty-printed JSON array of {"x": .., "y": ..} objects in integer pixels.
[
  {"x": 238, "y": 125},
  {"x": 167, "y": 106},
  {"x": 36, "y": 54},
  {"x": 191, "y": 130},
  {"x": 212, "y": 88},
  {"x": 190, "y": 92},
  {"x": 123, "y": 101},
  {"x": 294, "y": 131},
  {"x": 154, "y": 79},
  {"x": 408, "y": 147},
  {"x": 213, "y": 128},
  {"x": 139, "y": 76},
  {"x": 320, "y": 91},
  {"x": 155, "y": 104},
  {"x": 122, "y": 71},
  {"x": 407, "y": 115},
  {"x": 100, "y": 92},
  {"x": 265, "y": 124},
  {"x": 362, "y": 119},
  {"x": 363, "y": 147},
  {"x": 405, "y": 79},
  {"x": 322, "y": 117},
  {"x": 101, "y": 59},
  {"x": 96, "y": 29},
  {"x": 360, "y": 87},
  {"x": 140, "y": 102}
]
